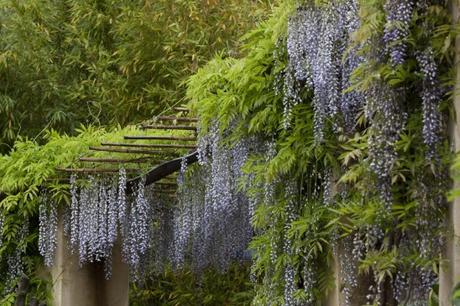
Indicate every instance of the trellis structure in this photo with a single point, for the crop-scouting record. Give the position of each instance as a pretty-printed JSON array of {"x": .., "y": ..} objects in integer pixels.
[{"x": 73, "y": 284}]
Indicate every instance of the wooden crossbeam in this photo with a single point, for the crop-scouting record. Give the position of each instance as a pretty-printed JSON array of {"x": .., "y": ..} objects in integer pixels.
[
  {"x": 159, "y": 188},
  {"x": 94, "y": 170},
  {"x": 119, "y": 161},
  {"x": 131, "y": 151},
  {"x": 181, "y": 109},
  {"x": 168, "y": 192},
  {"x": 165, "y": 184},
  {"x": 168, "y": 127},
  {"x": 169, "y": 179},
  {"x": 128, "y": 137},
  {"x": 174, "y": 118},
  {"x": 149, "y": 145}
]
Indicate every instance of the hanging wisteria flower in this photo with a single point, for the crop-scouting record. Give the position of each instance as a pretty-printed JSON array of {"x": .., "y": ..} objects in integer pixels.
[
  {"x": 137, "y": 241},
  {"x": 398, "y": 16},
  {"x": 47, "y": 240},
  {"x": 183, "y": 168},
  {"x": 289, "y": 273},
  {"x": 431, "y": 98},
  {"x": 316, "y": 45},
  {"x": 74, "y": 212},
  {"x": 212, "y": 218},
  {"x": 387, "y": 117},
  {"x": 122, "y": 203}
]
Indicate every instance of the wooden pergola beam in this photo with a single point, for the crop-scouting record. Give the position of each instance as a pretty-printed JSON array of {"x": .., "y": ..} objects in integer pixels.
[
  {"x": 94, "y": 170},
  {"x": 119, "y": 160},
  {"x": 168, "y": 127},
  {"x": 148, "y": 145},
  {"x": 169, "y": 184},
  {"x": 129, "y": 151},
  {"x": 128, "y": 137},
  {"x": 174, "y": 118},
  {"x": 181, "y": 109},
  {"x": 163, "y": 170}
]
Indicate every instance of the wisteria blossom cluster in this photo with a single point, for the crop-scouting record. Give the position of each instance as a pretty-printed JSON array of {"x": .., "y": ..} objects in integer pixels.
[
  {"x": 387, "y": 117},
  {"x": 160, "y": 252},
  {"x": 290, "y": 284},
  {"x": 212, "y": 220},
  {"x": 317, "y": 43},
  {"x": 47, "y": 240},
  {"x": 15, "y": 261},
  {"x": 101, "y": 212},
  {"x": 431, "y": 95},
  {"x": 322, "y": 56},
  {"x": 398, "y": 16},
  {"x": 137, "y": 230}
]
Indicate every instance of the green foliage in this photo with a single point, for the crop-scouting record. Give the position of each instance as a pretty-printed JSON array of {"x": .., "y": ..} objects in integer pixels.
[
  {"x": 229, "y": 88},
  {"x": 76, "y": 62},
  {"x": 239, "y": 95},
  {"x": 31, "y": 168},
  {"x": 186, "y": 288},
  {"x": 456, "y": 295}
]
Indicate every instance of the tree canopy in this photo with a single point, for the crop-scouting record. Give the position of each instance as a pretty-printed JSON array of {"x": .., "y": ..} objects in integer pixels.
[{"x": 64, "y": 63}]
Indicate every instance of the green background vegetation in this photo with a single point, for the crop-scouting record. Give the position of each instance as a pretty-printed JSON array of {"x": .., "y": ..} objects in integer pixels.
[{"x": 117, "y": 62}]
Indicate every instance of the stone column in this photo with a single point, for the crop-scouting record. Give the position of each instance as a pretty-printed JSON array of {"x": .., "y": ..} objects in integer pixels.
[
  {"x": 86, "y": 286},
  {"x": 450, "y": 268}
]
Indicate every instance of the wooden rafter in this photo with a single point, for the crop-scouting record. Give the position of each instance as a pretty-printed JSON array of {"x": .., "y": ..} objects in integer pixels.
[
  {"x": 148, "y": 145},
  {"x": 163, "y": 170},
  {"x": 168, "y": 127},
  {"x": 129, "y": 151},
  {"x": 181, "y": 109},
  {"x": 174, "y": 118},
  {"x": 119, "y": 160},
  {"x": 165, "y": 184},
  {"x": 95, "y": 170},
  {"x": 148, "y": 137}
]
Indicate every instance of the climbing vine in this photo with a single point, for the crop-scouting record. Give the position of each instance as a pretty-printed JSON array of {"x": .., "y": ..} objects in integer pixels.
[
  {"x": 323, "y": 149},
  {"x": 354, "y": 97}
]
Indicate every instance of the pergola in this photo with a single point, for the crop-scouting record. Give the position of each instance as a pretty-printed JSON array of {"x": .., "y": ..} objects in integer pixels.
[{"x": 162, "y": 155}]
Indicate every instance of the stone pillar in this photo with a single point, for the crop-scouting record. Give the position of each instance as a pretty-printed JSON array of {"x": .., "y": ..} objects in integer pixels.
[
  {"x": 86, "y": 286},
  {"x": 333, "y": 297},
  {"x": 358, "y": 294},
  {"x": 450, "y": 268}
]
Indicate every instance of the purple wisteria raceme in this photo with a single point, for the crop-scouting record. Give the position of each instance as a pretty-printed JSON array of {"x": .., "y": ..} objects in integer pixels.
[
  {"x": 398, "y": 16},
  {"x": 319, "y": 60},
  {"x": 137, "y": 239},
  {"x": 47, "y": 239},
  {"x": 122, "y": 203},
  {"x": 98, "y": 212},
  {"x": 289, "y": 273},
  {"x": 74, "y": 212},
  {"x": 387, "y": 119},
  {"x": 212, "y": 219},
  {"x": 431, "y": 98}
]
